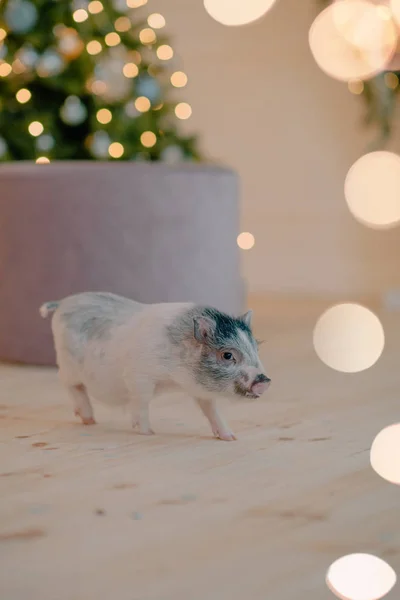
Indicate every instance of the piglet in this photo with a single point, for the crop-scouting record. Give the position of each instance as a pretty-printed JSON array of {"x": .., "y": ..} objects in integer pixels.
[{"x": 122, "y": 352}]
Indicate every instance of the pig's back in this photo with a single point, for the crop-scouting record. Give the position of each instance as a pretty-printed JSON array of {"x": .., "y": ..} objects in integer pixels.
[
  {"x": 91, "y": 315},
  {"x": 87, "y": 317}
]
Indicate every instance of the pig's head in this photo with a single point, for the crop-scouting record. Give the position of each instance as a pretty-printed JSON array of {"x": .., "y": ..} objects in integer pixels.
[{"x": 227, "y": 355}]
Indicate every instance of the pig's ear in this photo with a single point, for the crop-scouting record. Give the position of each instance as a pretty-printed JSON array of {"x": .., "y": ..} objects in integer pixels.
[
  {"x": 203, "y": 329},
  {"x": 246, "y": 318}
]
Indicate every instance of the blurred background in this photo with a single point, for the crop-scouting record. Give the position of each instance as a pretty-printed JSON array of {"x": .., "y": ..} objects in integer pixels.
[
  {"x": 227, "y": 152},
  {"x": 263, "y": 106},
  {"x": 249, "y": 97}
]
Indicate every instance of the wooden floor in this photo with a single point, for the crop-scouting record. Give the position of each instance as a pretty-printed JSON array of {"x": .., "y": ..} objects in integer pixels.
[{"x": 98, "y": 513}]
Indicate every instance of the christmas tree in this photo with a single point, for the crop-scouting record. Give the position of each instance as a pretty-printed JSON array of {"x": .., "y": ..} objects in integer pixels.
[{"x": 88, "y": 80}]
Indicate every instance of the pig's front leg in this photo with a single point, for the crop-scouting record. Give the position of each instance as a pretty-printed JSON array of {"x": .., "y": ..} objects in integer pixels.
[
  {"x": 218, "y": 425},
  {"x": 142, "y": 392}
]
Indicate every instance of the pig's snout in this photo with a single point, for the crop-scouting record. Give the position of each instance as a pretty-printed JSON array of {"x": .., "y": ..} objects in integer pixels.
[{"x": 260, "y": 384}]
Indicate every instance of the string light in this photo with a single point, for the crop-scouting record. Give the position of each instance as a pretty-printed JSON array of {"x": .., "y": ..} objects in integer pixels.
[
  {"x": 356, "y": 86},
  {"x": 93, "y": 47},
  {"x": 42, "y": 160},
  {"x": 142, "y": 104},
  {"x": 23, "y": 95},
  {"x": 391, "y": 80},
  {"x": 165, "y": 52},
  {"x": 5, "y": 69},
  {"x": 183, "y": 110},
  {"x": 35, "y": 128},
  {"x": 123, "y": 24},
  {"x": 156, "y": 21},
  {"x": 104, "y": 116},
  {"x": 3, "y": 34},
  {"x": 147, "y": 36},
  {"x": 245, "y": 240},
  {"x": 130, "y": 70},
  {"x": 179, "y": 79},
  {"x": 80, "y": 15},
  {"x": 148, "y": 139},
  {"x": 95, "y": 7},
  {"x": 115, "y": 150},
  {"x": 135, "y": 3},
  {"x": 112, "y": 39}
]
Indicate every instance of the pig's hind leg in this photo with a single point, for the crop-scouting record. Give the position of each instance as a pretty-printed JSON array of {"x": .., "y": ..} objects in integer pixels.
[
  {"x": 82, "y": 405},
  {"x": 80, "y": 399}
]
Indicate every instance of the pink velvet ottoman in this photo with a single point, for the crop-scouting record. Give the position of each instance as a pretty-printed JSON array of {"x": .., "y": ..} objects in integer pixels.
[{"x": 151, "y": 232}]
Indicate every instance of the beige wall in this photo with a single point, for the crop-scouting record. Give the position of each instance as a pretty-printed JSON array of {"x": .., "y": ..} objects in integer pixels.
[{"x": 264, "y": 108}]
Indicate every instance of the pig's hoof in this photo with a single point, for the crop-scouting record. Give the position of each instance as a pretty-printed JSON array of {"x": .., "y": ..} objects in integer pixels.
[
  {"x": 146, "y": 432},
  {"x": 226, "y": 436},
  {"x": 142, "y": 430},
  {"x": 85, "y": 420}
]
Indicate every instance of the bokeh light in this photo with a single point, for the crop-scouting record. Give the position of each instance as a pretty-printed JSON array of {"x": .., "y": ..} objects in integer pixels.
[
  {"x": 156, "y": 21},
  {"x": 142, "y": 104},
  {"x": 42, "y": 160},
  {"x": 98, "y": 87},
  {"x": 35, "y": 128},
  {"x": 115, "y": 150},
  {"x": 352, "y": 40},
  {"x": 372, "y": 189},
  {"x": 23, "y": 95},
  {"x": 104, "y": 116},
  {"x": 130, "y": 70},
  {"x": 123, "y": 24},
  {"x": 165, "y": 52},
  {"x": 80, "y": 15},
  {"x": 183, "y": 110},
  {"x": 349, "y": 338},
  {"x": 356, "y": 86},
  {"x": 112, "y": 39},
  {"x": 148, "y": 139},
  {"x": 360, "y": 577},
  {"x": 237, "y": 12},
  {"x": 385, "y": 454},
  {"x": 3, "y": 34},
  {"x": 18, "y": 66},
  {"x": 5, "y": 69},
  {"x": 135, "y": 3},
  {"x": 147, "y": 36},
  {"x": 93, "y": 47},
  {"x": 245, "y": 240},
  {"x": 179, "y": 79},
  {"x": 391, "y": 80},
  {"x": 95, "y": 7},
  {"x": 395, "y": 8}
]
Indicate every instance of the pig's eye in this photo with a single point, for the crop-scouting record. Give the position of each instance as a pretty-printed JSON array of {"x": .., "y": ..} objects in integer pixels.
[{"x": 228, "y": 356}]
